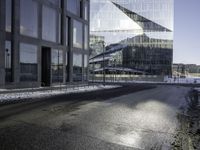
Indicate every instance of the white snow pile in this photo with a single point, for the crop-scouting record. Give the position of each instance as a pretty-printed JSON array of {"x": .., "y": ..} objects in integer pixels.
[
  {"x": 16, "y": 96},
  {"x": 187, "y": 80},
  {"x": 197, "y": 89}
]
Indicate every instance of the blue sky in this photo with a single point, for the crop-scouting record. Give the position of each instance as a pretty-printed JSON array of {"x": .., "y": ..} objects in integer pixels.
[{"x": 187, "y": 31}]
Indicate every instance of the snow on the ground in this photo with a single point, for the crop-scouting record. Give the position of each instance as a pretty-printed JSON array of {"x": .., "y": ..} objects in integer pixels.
[
  {"x": 198, "y": 89},
  {"x": 4, "y": 97},
  {"x": 186, "y": 80}
]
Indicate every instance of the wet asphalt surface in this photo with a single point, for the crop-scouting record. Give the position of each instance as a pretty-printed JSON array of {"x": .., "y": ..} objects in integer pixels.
[{"x": 131, "y": 117}]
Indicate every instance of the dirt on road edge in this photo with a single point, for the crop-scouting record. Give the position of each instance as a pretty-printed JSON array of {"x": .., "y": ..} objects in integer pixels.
[{"x": 188, "y": 135}]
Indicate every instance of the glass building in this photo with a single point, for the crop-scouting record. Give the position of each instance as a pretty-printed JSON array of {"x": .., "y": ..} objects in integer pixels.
[
  {"x": 43, "y": 42},
  {"x": 136, "y": 35}
]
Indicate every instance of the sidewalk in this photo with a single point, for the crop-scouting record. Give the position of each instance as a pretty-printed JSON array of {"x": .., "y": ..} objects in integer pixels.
[{"x": 43, "y": 92}]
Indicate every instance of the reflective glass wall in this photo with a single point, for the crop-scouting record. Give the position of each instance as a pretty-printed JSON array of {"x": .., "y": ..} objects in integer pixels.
[
  {"x": 57, "y": 66},
  {"x": 8, "y": 62},
  {"x": 77, "y": 67},
  {"x": 29, "y": 9},
  {"x": 8, "y": 15},
  {"x": 28, "y": 62},
  {"x": 142, "y": 30}
]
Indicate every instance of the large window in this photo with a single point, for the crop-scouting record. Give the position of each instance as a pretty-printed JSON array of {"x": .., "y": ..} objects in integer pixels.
[
  {"x": 49, "y": 24},
  {"x": 77, "y": 67},
  {"x": 59, "y": 28},
  {"x": 29, "y": 18},
  {"x": 67, "y": 30},
  {"x": 77, "y": 34},
  {"x": 28, "y": 62},
  {"x": 8, "y": 15},
  {"x": 86, "y": 38},
  {"x": 73, "y": 6},
  {"x": 85, "y": 67},
  {"x": 57, "y": 65},
  {"x": 8, "y": 60}
]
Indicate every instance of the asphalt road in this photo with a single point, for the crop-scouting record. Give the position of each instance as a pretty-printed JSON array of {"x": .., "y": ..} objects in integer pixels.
[{"x": 122, "y": 118}]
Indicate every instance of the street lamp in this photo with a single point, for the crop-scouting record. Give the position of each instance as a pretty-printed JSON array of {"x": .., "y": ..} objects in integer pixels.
[
  {"x": 103, "y": 45},
  {"x": 103, "y": 63}
]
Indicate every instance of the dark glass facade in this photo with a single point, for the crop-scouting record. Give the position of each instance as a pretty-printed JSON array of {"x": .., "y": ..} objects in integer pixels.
[{"x": 39, "y": 44}]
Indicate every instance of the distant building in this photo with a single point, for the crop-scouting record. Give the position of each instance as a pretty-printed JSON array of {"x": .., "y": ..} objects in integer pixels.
[
  {"x": 183, "y": 70},
  {"x": 140, "y": 30},
  {"x": 96, "y": 45},
  {"x": 43, "y": 42},
  {"x": 152, "y": 56}
]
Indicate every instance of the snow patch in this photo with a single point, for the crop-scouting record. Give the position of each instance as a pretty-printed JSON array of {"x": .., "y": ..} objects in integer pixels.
[{"x": 30, "y": 94}]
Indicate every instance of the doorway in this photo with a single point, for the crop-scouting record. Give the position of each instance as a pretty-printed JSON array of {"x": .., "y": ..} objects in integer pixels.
[{"x": 46, "y": 66}]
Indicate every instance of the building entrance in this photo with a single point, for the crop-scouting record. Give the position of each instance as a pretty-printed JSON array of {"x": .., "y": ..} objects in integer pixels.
[{"x": 46, "y": 66}]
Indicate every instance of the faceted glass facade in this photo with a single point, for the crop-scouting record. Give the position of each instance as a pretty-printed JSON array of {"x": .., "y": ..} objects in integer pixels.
[{"x": 142, "y": 30}]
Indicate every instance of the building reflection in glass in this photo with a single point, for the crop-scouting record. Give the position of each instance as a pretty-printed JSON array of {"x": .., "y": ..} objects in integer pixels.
[
  {"x": 138, "y": 35},
  {"x": 8, "y": 68},
  {"x": 28, "y": 62},
  {"x": 77, "y": 67},
  {"x": 57, "y": 66}
]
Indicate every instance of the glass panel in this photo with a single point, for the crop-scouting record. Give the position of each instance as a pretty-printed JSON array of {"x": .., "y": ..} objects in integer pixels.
[
  {"x": 8, "y": 15},
  {"x": 57, "y": 65},
  {"x": 67, "y": 31},
  {"x": 77, "y": 67},
  {"x": 72, "y": 6},
  {"x": 29, "y": 18},
  {"x": 77, "y": 34},
  {"x": 8, "y": 60},
  {"x": 59, "y": 28},
  {"x": 86, "y": 38},
  {"x": 85, "y": 67},
  {"x": 28, "y": 62},
  {"x": 49, "y": 24}
]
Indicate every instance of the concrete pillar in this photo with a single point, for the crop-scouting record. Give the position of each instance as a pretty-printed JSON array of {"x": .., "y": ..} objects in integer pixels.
[
  {"x": 2, "y": 43},
  {"x": 63, "y": 37},
  {"x": 15, "y": 41},
  {"x": 39, "y": 44},
  {"x": 70, "y": 50}
]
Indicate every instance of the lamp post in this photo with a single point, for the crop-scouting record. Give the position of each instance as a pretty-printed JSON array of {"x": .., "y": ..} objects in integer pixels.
[
  {"x": 103, "y": 46},
  {"x": 115, "y": 70}
]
